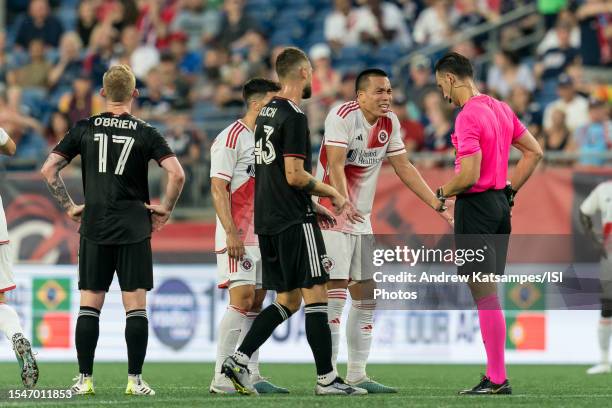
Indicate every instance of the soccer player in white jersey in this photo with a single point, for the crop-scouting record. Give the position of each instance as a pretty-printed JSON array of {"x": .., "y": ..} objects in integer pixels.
[
  {"x": 9, "y": 320},
  {"x": 232, "y": 175},
  {"x": 600, "y": 200},
  {"x": 359, "y": 135}
]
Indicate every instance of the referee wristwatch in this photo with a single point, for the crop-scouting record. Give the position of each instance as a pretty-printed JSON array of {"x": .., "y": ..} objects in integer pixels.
[{"x": 440, "y": 196}]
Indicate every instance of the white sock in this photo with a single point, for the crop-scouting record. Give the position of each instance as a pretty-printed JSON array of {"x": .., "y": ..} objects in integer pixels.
[
  {"x": 336, "y": 298},
  {"x": 9, "y": 321},
  {"x": 327, "y": 379},
  {"x": 359, "y": 337},
  {"x": 603, "y": 333},
  {"x": 229, "y": 331},
  {"x": 246, "y": 326}
]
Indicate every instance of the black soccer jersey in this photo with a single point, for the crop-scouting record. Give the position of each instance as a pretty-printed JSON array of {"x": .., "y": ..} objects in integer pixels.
[
  {"x": 115, "y": 152},
  {"x": 281, "y": 130}
]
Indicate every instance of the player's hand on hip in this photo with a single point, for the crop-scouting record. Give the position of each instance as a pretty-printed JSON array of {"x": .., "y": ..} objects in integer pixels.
[
  {"x": 159, "y": 216},
  {"x": 235, "y": 246},
  {"x": 75, "y": 212}
]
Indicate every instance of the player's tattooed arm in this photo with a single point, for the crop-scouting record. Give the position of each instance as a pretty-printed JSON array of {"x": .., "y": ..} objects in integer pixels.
[
  {"x": 50, "y": 170},
  {"x": 312, "y": 183}
]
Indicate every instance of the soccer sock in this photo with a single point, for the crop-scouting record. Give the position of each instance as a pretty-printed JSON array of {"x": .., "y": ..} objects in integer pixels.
[
  {"x": 9, "y": 321},
  {"x": 359, "y": 337},
  {"x": 336, "y": 298},
  {"x": 86, "y": 338},
  {"x": 319, "y": 339},
  {"x": 603, "y": 333},
  {"x": 262, "y": 328},
  {"x": 229, "y": 331},
  {"x": 136, "y": 338},
  {"x": 246, "y": 326},
  {"x": 493, "y": 330}
]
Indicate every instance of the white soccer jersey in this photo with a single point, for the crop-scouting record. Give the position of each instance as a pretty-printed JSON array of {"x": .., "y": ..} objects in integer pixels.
[
  {"x": 367, "y": 145},
  {"x": 4, "y": 238},
  {"x": 232, "y": 159},
  {"x": 600, "y": 200}
]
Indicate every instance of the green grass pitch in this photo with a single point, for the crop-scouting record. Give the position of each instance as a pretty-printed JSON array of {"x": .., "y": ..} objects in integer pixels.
[{"x": 186, "y": 385}]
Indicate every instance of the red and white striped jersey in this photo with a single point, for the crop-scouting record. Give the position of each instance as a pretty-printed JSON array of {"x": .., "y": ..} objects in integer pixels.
[
  {"x": 367, "y": 145},
  {"x": 232, "y": 158},
  {"x": 600, "y": 200}
]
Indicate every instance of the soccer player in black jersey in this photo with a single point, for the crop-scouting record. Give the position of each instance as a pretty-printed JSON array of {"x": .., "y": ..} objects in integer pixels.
[
  {"x": 290, "y": 240},
  {"x": 116, "y": 218}
]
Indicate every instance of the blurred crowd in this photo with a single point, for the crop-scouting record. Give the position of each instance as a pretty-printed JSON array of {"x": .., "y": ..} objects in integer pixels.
[{"x": 191, "y": 58}]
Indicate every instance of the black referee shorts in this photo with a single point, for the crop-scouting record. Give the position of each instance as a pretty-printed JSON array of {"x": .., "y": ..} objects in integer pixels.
[
  {"x": 132, "y": 262},
  {"x": 293, "y": 258},
  {"x": 482, "y": 223}
]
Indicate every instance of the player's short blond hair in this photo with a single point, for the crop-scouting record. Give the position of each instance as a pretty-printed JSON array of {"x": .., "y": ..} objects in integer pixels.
[{"x": 119, "y": 83}]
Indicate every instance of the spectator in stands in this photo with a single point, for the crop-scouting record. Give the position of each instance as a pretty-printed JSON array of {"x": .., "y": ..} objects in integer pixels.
[
  {"x": 39, "y": 23},
  {"x": 339, "y": 26},
  {"x": 557, "y": 137},
  {"x": 189, "y": 62},
  {"x": 199, "y": 21},
  {"x": 550, "y": 9},
  {"x": 411, "y": 130},
  {"x": 594, "y": 18},
  {"x": 69, "y": 65},
  {"x": 86, "y": 20},
  {"x": 469, "y": 16},
  {"x": 154, "y": 105},
  {"x": 381, "y": 22},
  {"x": 235, "y": 24},
  {"x": 183, "y": 138},
  {"x": 175, "y": 85},
  {"x": 346, "y": 89},
  {"x": 528, "y": 111},
  {"x": 225, "y": 97},
  {"x": 118, "y": 13},
  {"x": 82, "y": 102},
  {"x": 595, "y": 137},
  {"x": 433, "y": 25},
  {"x": 154, "y": 21},
  {"x": 141, "y": 57},
  {"x": 36, "y": 72},
  {"x": 551, "y": 39},
  {"x": 6, "y": 59},
  {"x": 507, "y": 72},
  {"x": 325, "y": 80},
  {"x": 437, "y": 136},
  {"x": 574, "y": 106},
  {"x": 555, "y": 60},
  {"x": 59, "y": 124},
  {"x": 421, "y": 84},
  {"x": 12, "y": 112},
  {"x": 100, "y": 52}
]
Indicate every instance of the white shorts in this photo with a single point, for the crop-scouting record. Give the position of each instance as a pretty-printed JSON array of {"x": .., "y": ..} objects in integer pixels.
[
  {"x": 349, "y": 255},
  {"x": 7, "y": 281},
  {"x": 232, "y": 273}
]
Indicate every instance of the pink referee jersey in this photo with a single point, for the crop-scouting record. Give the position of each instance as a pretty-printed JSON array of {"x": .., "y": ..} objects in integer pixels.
[{"x": 488, "y": 126}]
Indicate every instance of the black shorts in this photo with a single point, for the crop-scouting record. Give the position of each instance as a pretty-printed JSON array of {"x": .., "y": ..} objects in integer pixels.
[
  {"x": 98, "y": 263},
  {"x": 482, "y": 222},
  {"x": 293, "y": 258}
]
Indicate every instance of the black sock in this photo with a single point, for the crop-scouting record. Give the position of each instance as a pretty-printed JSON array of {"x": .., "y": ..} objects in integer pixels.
[
  {"x": 86, "y": 338},
  {"x": 319, "y": 336},
  {"x": 136, "y": 338},
  {"x": 262, "y": 327}
]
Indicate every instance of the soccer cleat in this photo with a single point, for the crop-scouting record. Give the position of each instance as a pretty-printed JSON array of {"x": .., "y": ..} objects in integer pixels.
[
  {"x": 220, "y": 384},
  {"x": 83, "y": 386},
  {"x": 599, "y": 369},
  {"x": 264, "y": 386},
  {"x": 239, "y": 375},
  {"x": 338, "y": 387},
  {"x": 26, "y": 360},
  {"x": 486, "y": 387},
  {"x": 372, "y": 387},
  {"x": 137, "y": 386}
]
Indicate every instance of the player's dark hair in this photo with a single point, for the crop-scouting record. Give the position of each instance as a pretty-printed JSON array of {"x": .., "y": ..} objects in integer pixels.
[
  {"x": 455, "y": 63},
  {"x": 288, "y": 59},
  {"x": 257, "y": 87},
  {"x": 364, "y": 77}
]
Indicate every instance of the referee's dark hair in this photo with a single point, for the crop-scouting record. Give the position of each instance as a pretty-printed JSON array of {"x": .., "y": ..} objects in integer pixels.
[
  {"x": 455, "y": 63},
  {"x": 364, "y": 77},
  {"x": 288, "y": 60},
  {"x": 257, "y": 88}
]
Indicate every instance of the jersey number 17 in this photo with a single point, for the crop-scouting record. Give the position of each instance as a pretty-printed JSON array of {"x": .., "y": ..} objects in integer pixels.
[{"x": 102, "y": 139}]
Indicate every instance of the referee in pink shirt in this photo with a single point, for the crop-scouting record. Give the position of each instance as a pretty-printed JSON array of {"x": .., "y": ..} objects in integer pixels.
[{"x": 484, "y": 131}]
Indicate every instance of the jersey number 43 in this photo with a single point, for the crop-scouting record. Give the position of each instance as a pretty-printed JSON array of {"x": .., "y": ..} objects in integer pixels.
[
  {"x": 265, "y": 155},
  {"x": 102, "y": 139}
]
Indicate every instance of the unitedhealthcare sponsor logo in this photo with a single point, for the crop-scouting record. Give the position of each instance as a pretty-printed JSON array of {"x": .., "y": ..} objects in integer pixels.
[{"x": 174, "y": 313}]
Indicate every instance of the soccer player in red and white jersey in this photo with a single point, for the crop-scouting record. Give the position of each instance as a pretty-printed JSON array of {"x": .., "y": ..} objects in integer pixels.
[
  {"x": 232, "y": 173},
  {"x": 359, "y": 135},
  {"x": 600, "y": 200}
]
